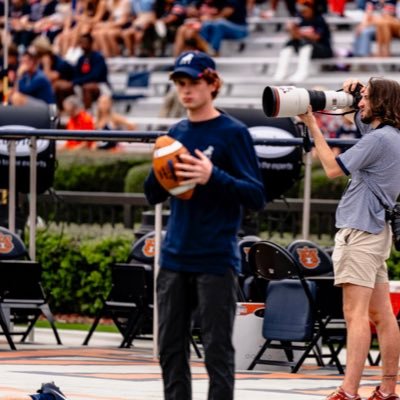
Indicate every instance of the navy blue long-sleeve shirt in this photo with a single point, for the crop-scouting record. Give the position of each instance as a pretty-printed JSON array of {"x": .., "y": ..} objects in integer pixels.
[
  {"x": 202, "y": 232},
  {"x": 36, "y": 85},
  {"x": 91, "y": 67}
]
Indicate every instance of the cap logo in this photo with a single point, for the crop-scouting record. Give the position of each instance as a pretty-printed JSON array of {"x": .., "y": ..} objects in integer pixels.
[{"x": 187, "y": 59}]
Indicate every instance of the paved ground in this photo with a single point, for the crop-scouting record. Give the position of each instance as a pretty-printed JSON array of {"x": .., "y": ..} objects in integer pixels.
[{"x": 102, "y": 371}]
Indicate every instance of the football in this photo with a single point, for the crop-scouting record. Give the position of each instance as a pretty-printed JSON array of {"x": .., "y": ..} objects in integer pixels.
[{"x": 166, "y": 154}]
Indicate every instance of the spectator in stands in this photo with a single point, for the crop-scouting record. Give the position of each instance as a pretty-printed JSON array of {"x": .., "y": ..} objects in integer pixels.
[
  {"x": 13, "y": 59},
  {"x": 32, "y": 85},
  {"x": 19, "y": 12},
  {"x": 79, "y": 120},
  {"x": 170, "y": 16},
  {"x": 144, "y": 19},
  {"x": 30, "y": 23},
  {"x": 53, "y": 24},
  {"x": 188, "y": 35},
  {"x": 379, "y": 22},
  {"x": 228, "y": 23},
  {"x": 107, "y": 34},
  {"x": 387, "y": 27},
  {"x": 108, "y": 119},
  {"x": 58, "y": 71},
  {"x": 90, "y": 75},
  {"x": 310, "y": 38},
  {"x": 88, "y": 13}
]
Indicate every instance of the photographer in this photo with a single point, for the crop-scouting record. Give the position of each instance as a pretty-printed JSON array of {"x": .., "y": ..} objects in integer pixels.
[{"x": 364, "y": 239}]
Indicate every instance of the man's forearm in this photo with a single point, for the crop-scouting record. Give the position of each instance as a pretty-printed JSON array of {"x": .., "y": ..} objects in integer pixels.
[{"x": 325, "y": 153}]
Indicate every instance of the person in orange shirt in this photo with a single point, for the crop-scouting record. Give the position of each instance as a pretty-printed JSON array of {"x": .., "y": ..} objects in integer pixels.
[{"x": 79, "y": 120}]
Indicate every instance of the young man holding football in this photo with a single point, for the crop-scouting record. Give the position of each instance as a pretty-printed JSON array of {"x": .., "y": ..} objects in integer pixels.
[{"x": 199, "y": 257}]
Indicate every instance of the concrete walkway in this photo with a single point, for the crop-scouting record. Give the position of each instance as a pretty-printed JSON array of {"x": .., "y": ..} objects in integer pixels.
[{"x": 102, "y": 371}]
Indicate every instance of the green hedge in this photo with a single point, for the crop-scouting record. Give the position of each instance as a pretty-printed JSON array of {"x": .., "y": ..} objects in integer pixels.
[
  {"x": 76, "y": 271},
  {"x": 135, "y": 178},
  {"x": 96, "y": 171},
  {"x": 119, "y": 172}
]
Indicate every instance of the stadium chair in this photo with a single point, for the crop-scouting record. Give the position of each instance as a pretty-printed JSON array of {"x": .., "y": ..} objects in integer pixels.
[
  {"x": 127, "y": 302},
  {"x": 137, "y": 87},
  {"x": 292, "y": 320},
  {"x": 143, "y": 251},
  {"x": 315, "y": 262},
  {"x": 130, "y": 301},
  {"x": 11, "y": 246},
  {"x": 22, "y": 298},
  {"x": 252, "y": 288}
]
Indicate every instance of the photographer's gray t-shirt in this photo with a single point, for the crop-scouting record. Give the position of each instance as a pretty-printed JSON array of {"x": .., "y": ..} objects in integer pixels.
[{"x": 374, "y": 159}]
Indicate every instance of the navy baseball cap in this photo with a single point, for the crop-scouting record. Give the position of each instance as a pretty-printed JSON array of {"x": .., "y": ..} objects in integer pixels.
[{"x": 192, "y": 63}]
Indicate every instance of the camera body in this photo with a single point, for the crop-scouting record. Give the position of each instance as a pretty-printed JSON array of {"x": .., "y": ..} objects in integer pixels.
[
  {"x": 289, "y": 101},
  {"x": 394, "y": 218}
]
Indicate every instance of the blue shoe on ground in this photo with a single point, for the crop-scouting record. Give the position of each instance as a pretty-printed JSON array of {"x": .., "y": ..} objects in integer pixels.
[{"x": 49, "y": 391}]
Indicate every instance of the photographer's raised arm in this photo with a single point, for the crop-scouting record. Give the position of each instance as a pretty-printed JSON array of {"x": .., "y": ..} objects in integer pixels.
[{"x": 325, "y": 153}]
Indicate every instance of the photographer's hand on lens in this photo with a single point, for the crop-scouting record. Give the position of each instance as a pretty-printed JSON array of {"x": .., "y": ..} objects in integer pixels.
[{"x": 308, "y": 118}]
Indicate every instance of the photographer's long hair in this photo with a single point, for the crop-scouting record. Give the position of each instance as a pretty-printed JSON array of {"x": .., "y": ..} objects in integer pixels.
[{"x": 384, "y": 98}]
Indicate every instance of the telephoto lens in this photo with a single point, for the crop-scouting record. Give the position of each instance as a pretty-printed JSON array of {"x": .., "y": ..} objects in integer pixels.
[{"x": 289, "y": 101}]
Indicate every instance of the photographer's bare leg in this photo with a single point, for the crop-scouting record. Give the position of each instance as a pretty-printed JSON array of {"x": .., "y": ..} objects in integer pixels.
[
  {"x": 356, "y": 301},
  {"x": 382, "y": 316}
]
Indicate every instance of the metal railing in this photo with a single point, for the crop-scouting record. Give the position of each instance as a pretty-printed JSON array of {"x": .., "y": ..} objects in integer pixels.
[
  {"x": 279, "y": 216},
  {"x": 122, "y": 136}
]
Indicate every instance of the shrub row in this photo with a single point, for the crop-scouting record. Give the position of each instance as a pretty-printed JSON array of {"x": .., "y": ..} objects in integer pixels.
[
  {"x": 76, "y": 271},
  {"x": 110, "y": 172},
  {"x": 96, "y": 172}
]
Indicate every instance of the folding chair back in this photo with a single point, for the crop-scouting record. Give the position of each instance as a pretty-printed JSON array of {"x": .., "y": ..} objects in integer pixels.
[
  {"x": 143, "y": 250},
  {"x": 11, "y": 246},
  {"x": 313, "y": 259},
  {"x": 129, "y": 284},
  {"x": 21, "y": 281},
  {"x": 127, "y": 302},
  {"x": 273, "y": 262},
  {"x": 252, "y": 287}
]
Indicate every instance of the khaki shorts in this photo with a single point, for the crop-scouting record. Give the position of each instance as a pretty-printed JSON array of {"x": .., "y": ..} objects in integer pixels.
[{"x": 359, "y": 257}]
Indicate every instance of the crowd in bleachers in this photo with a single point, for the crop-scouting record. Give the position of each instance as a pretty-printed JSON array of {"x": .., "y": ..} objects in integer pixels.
[{"x": 59, "y": 48}]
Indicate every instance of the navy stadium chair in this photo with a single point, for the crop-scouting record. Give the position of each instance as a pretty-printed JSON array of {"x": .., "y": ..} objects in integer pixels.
[
  {"x": 292, "y": 319},
  {"x": 22, "y": 298}
]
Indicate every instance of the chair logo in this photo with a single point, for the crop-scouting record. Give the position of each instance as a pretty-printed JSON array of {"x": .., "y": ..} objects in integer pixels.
[
  {"x": 149, "y": 247},
  {"x": 6, "y": 244},
  {"x": 308, "y": 257}
]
